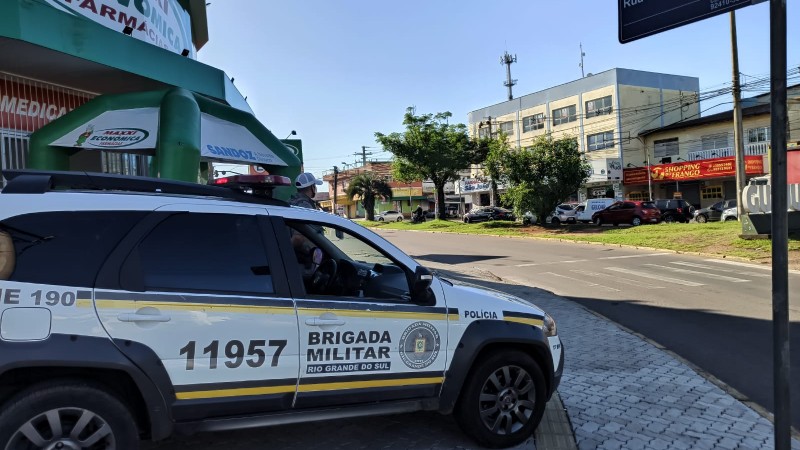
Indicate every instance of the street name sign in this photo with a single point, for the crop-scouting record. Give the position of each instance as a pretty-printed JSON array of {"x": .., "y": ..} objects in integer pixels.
[{"x": 641, "y": 18}]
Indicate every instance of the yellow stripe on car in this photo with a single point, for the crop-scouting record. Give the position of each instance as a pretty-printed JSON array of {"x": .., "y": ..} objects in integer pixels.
[
  {"x": 180, "y": 306},
  {"x": 536, "y": 322},
  {"x": 376, "y": 313},
  {"x": 236, "y": 392}
]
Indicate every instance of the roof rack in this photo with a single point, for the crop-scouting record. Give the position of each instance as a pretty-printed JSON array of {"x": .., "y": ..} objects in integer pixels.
[{"x": 41, "y": 181}]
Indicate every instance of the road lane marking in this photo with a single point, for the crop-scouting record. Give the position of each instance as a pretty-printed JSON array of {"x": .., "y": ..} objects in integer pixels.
[
  {"x": 634, "y": 256},
  {"x": 617, "y": 279},
  {"x": 581, "y": 281},
  {"x": 550, "y": 262},
  {"x": 655, "y": 277},
  {"x": 713, "y": 276},
  {"x": 720, "y": 269}
]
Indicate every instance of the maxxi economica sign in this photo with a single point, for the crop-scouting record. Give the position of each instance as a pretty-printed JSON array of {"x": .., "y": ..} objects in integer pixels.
[
  {"x": 163, "y": 23},
  {"x": 640, "y": 18}
]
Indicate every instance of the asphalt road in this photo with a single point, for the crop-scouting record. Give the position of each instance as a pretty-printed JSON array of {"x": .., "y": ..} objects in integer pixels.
[{"x": 715, "y": 313}]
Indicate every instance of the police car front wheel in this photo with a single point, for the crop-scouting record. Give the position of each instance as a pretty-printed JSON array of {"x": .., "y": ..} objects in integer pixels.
[
  {"x": 67, "y": 416},
  {"x": 503, "y": 400}
]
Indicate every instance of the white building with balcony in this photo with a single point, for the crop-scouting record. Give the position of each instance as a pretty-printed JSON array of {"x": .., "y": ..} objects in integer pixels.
[{"x": 694, "y": 159}]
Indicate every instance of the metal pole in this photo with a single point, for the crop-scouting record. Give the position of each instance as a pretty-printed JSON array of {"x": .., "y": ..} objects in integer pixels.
[
  {"x": 780, "y": 226},
  {"x": 335, "y": 181},
  {"x": 738, "y": 132},
  {"x": 649, "y": 181}
]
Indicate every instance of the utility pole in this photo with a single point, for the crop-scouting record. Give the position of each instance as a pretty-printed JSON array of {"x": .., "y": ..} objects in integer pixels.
[
  {"x": 581, "y": 64},
  {"x": 364, "y": 153},
  {"x": 507, "y": 60},
  {"x": 738, "y": 141},
  {"x": 335, "y": 181}
]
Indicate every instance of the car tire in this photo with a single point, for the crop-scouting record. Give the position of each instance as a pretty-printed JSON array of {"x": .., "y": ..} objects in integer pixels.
[
  {"x": 380, "y": 219},
  {"x": 701, "y": 218},
  {"x": 503, "y": 400},
  {"x": 669, "y": 218},
  {"x": 729, "y": 218},
  {"x": 467, "y": 220},
  {"x": 598, "y": 221},
  {"x": 636, "y": 221},
  {"x": 399, "y": 219},
  {"x": 555, "y": 221},
  {"x": 70, "y": 403}
]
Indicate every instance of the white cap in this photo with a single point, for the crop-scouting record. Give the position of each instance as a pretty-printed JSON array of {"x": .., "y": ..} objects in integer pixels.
[{"x": 305, "y": 180}]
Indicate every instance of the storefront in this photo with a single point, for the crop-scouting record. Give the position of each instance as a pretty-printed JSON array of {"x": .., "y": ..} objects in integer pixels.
[
  {"x": 81, "y": 63},
  {"x": 701, "y": 183}
]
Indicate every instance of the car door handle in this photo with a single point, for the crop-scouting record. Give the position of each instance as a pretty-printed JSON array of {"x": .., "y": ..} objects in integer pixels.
[
  {"x": 135, "y": 317},
  {"x": 319, "y": 322}
]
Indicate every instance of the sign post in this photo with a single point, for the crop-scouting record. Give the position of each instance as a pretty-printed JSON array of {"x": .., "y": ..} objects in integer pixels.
[{"x": 641, "y": 18}]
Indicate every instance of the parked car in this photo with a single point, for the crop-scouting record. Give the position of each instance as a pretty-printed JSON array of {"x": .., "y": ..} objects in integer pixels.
[
  {"x": 730, "y": 214},
  {"x": 564, "y": 212},
  {"x": 484, "y": 213},
  {"x": 585, "y": 210},
  {"x": 675, "y": 210},
  {"x": 713, "y": 213},
  {"x": 632, "y": 212},
  {"x": 389, "y": 216}
]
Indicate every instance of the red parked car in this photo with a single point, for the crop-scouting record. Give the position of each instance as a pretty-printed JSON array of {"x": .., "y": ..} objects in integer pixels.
[{"x": 632, "y": 212}]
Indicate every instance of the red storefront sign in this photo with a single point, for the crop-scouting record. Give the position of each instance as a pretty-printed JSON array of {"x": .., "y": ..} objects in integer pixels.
[
  {"x": 693, "y": 170},
  {"x": 29, "y": 105}
]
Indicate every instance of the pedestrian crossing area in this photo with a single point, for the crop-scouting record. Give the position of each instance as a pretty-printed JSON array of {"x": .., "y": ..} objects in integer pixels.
[{"x": 610, "y": 275}]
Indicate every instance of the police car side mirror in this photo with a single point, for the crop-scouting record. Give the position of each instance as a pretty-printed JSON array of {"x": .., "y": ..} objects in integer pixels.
[{"x": 421, "y": 293}]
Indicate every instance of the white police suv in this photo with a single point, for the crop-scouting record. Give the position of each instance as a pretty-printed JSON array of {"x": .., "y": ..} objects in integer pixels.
[{"x": 137, "y": 308}]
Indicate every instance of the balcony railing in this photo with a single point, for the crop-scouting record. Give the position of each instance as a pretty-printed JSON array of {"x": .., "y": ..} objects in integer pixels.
[{"x": 759, "y": 148}]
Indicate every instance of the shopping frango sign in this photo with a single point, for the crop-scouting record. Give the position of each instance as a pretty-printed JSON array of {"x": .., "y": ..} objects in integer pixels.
[{"x": 693, "y": 170}]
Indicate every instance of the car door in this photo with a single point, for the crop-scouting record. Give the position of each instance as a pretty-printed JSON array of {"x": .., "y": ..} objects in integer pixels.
[
  {"x": 715, "y": 211},
  {"x": 361, "y": 338},
  {"x": 204, "y": 291}
]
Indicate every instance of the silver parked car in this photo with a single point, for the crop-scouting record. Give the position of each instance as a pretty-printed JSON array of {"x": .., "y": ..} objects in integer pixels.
[{"x": 389, "y": 216}]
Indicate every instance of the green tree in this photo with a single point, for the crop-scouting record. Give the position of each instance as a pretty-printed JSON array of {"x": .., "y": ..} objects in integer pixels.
[
  {"x": 543, "y": 175},
  {"x": 431, "y": 148},
  {"x": 368, "y": 188},
  {"x": 496, "y": 149}
]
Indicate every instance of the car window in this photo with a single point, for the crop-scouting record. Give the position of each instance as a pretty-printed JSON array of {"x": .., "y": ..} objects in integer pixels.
[
  {"x": 205, "y": 253},
  {"x": 62, "y": 248},
  {"x": 349, "y": 265},
  {"x": 628, "y": 205},
  {"x": 717, "y": 205},
  {"x": 648, "y": 205}
]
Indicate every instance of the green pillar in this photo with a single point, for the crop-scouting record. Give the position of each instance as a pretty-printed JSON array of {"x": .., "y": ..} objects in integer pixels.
[{"x": 178, "y": 148}]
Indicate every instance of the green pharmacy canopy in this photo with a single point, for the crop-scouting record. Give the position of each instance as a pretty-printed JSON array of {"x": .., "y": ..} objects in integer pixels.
[{"x": 178, "y": 129}]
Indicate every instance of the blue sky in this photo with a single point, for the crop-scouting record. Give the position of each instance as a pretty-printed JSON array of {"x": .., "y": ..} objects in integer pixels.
[{"x": 337, "y": 72}]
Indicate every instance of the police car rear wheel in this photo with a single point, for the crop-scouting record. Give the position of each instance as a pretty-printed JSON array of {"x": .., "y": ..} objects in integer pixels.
[
  {"x": 69, "y": 417},
  {"x": 503, "y": 400}
]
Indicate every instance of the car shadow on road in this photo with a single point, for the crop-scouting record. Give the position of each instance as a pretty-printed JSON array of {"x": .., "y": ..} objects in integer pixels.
[{"x": 455, "y": 259}]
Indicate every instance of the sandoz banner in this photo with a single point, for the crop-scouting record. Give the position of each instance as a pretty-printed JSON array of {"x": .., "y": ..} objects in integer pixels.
[
  {"x": 122, "y": 129},
  {"x": 163, "y": 23},
  {"x": 226, "y": 141}
]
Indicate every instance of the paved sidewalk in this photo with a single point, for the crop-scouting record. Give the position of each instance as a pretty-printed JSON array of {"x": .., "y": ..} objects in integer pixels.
[{"x": 622, "y": 392}]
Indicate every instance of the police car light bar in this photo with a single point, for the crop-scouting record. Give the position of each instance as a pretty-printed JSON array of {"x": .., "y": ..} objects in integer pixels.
[{"x": 253, "y": 181}]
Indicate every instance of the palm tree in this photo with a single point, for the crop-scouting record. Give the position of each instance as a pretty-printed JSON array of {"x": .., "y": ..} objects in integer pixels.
[{"x": 367, "y": 187}]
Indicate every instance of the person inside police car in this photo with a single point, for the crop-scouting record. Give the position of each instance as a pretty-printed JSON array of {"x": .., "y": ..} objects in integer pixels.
[{"x": 306, "y": 185}]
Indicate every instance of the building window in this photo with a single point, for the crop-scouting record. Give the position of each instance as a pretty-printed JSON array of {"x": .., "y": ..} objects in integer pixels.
[
  {"x": 715, "y": 141},
  {"x": 483, "y": 132},
  {"x": 600, "y": 140},
  {"x": 760, "y": 134},
  {"x": 598, "y": 107},
  {"x": 534, "y": 122},
  {"x": 711, "y": 192},
  {"x": 638, "y": 196},
  {"x": 507, "y": 127},
  {"x": 665, "y": 147},
  {"x": 564, "y": 115}
]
